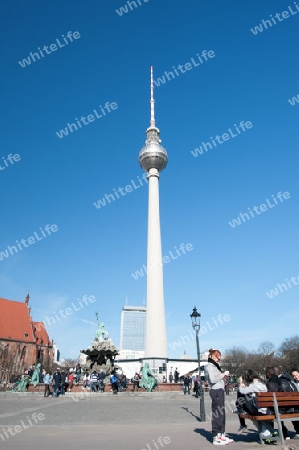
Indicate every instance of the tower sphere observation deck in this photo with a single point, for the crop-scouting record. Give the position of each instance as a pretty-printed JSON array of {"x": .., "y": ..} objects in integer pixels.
[{"x": 153, "y": 155}]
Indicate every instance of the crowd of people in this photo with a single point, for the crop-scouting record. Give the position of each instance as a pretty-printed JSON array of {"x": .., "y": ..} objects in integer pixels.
[
  {"x": 276, "y": 380},
  {"x": 251, "y": 383},
  {"x": 93, "y": 382},
  {"x": 61, "y": 381}
]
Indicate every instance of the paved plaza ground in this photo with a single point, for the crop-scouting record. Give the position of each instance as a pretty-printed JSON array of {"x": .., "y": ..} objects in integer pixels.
[{"x": 109, "y": 422}]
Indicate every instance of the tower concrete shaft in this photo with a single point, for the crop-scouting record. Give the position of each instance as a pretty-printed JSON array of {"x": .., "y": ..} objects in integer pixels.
[
  {"x": 156, "y": 340},
  {"x": 153, "y": 159}
]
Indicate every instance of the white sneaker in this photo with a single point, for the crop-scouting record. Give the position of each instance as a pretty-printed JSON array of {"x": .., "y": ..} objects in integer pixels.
[
  {"x": 225, "y": 438},
  {"x": 218, "y": 441},
  {"x": 266, "y": 434}
]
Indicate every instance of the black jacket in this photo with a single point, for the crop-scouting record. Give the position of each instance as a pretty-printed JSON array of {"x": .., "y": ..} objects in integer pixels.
[
  {"x": 57, "y": 378},
  {"x": 273, "y": 384},
  {"x": 285, "y": 383}
]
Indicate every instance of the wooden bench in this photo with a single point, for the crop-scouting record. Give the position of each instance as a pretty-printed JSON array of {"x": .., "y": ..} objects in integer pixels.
[{"x": 274, "y": 401}]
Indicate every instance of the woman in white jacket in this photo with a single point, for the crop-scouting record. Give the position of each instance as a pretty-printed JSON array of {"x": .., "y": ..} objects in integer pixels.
[
  {"x": 249, "y": 404},
  {"x": 217, "y": 395}
]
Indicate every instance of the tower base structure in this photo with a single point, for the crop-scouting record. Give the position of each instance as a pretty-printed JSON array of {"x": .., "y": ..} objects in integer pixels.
[{"x": 160, "y": 367}]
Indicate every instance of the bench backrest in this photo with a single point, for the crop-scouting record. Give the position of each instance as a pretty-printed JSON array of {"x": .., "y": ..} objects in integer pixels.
[{"x": 284, "y": 399}]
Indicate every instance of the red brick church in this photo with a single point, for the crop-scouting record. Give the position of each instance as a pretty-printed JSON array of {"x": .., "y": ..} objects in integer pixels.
[{"x": 22, "y": 341}]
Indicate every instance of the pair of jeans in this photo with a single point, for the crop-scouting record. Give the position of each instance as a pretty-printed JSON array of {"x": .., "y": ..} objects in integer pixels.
[
  {"x": 77, "y": 378},
  {"x": 55, "y": 390},
  {"x": 93, "y": 387},
  {"x": 186, "y": 388}
]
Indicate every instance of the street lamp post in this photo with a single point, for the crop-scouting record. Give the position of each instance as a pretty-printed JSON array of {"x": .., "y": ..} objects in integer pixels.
[{"x": 195, "y": 317}]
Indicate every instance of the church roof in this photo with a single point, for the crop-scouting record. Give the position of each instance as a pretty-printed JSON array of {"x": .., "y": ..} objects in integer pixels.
[
  {"x": 42, "y": 337},
  {"x": 15, "y": 321}
]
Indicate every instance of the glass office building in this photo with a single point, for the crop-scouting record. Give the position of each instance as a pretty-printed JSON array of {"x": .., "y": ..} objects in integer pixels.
[{"x": 132, "y": 328}]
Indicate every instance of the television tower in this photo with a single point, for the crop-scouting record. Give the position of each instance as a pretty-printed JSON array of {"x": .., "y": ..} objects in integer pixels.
[{"x": 153, "y": 159}]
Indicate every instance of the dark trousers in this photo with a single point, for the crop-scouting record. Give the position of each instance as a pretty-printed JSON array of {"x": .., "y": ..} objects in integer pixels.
[
  {"x": 47, "y": 390},
  {"x": 296, "y": 426},
  {"x": 218, "y": 411},
  {"x": 285, "y": 431},
  {"x": 240, "y": 408},
  {"x": 296, "y": 423},
  {"x": 245, "y": 403}
]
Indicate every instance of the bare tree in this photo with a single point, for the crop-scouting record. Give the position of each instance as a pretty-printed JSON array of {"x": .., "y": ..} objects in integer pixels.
[
  {"x": 289, "y": 353},
  {"x": 266, "y": 348},
  {"x": 238, "y": 359},
  {"x": 235, "y": 360},
  {"x": 266, "y": 352},
  {"x": 68, "y": 363}
]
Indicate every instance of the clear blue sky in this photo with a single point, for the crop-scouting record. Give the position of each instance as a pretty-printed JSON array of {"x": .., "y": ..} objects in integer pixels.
[{"x": 57, "y": 180}]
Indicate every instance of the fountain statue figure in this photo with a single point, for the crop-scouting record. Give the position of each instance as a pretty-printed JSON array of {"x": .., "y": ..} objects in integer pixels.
[
  {"x": 148, "y": 381},
  {"x": 35, "y": 377},
  {"x": 100, "y": 356},
  {"x": 101, "y": 333},
  {"x": 22, "y": 385}
]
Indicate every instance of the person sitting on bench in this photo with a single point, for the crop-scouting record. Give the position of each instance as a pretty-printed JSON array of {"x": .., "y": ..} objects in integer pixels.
[{"x": 249, "y": 404}]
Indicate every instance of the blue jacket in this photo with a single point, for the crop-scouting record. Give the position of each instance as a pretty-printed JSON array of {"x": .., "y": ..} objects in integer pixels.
[{"x": 47, "y": 379}]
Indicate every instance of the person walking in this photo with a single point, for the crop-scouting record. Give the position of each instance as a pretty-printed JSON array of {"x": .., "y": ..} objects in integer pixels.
[
  {"x": 56, "y": 382},
  {"x": 94, "y": 381},
  {"x": 101, "y": 380},
  {"x": 196, "y": 386},
  {"x": 62, "y": 384},
  {"x": 114, "y": 382},
  {"x": 78, "y": 371},
  {"x": 187, "y": 381},
  {"x": 47, "y": 381},
  {"x": 217, "y": 395}
]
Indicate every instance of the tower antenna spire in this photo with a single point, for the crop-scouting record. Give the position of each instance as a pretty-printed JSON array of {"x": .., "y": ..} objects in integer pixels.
[{"x": 153, "y": 123}]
